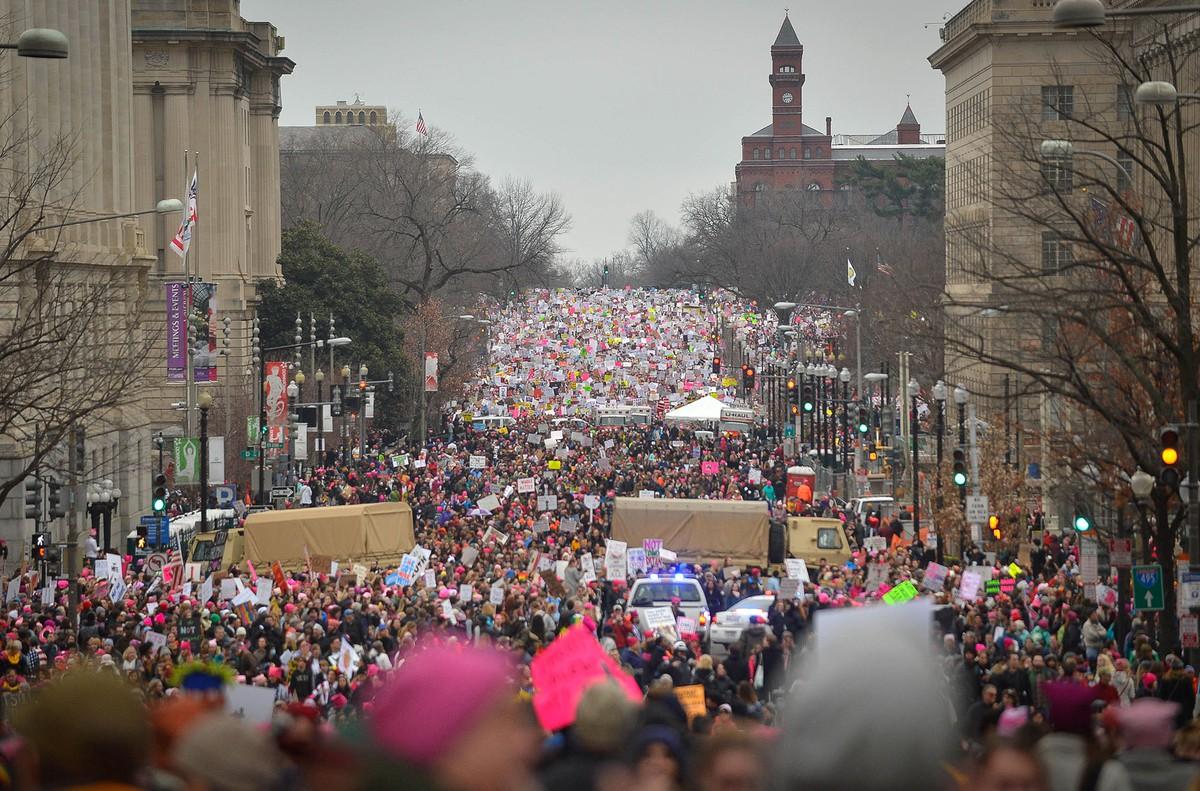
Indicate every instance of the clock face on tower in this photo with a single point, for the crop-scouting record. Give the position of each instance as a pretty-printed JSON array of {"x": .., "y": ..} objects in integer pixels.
[{"x": 787, "y": 98}]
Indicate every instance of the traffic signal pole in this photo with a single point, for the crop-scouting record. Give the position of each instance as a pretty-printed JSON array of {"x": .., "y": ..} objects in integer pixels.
[{"x": 1193, "y": 505}]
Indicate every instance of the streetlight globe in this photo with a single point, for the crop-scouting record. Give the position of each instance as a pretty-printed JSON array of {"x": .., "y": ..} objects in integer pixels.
[
  {"x": 116, "y": 493},
  {"x": 299, "y": 377},
  {"x": 1156, "y": 92},
  {"x": 204, "y": 400},
  {"x": 362, "y": 371},
  {"x": 960, "y": 395},
  {"x": 844, "y": 376},
  {"x": 320, "y": 375},
  {"x": 784, "y": 305},
  {"x": 292, "y": 389},
  {"x": 42, "y": 42},
  {"x": 1056, "y": 149},
  {"x": 1141, "y": 482},
  {"x": 169, "y": 206},
  {"x": 939, "y": 391},
  {"x": 913, "y": 388},
  {"x": 345, "y": 371},
  {"x": 1078, "y": 13}
]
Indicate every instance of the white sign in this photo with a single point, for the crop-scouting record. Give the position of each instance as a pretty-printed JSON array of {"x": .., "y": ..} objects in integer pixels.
[
  {"x": 469, "y": 556},
  {"x": 875, "y": 544},
  {"x": 489, "y": 503},
  {"x": 477, "y": 462},
  {"x": 526, "y": 485},
  {"x": 935, "y": 577},
  {"x": 796, "y": 569},
  {"x": 1089, "y": 561},
  {"x": 659, "y": 617},
  {"x": 635, "y": 557},
  {"x": 547, "y": 502},
  {"x": 262, "y": 591},
  {"x": 252, "y": 704},
  {"x": 1189, "y": 631},
  {"x": 430, "y": 578},
  {"x": 588, "y": 566},
  {"x": 614, "y": 559},
  {"x": 646, "y": 494},
  {"x": 591, "y": 501},
  {"x": 977, "y": 509},
  {"x": 968, "y": 588},
  {"x": 497, "y": 595}
]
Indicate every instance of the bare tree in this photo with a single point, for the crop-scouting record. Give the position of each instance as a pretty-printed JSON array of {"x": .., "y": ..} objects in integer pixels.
[{"x": 1100, "y": 325}]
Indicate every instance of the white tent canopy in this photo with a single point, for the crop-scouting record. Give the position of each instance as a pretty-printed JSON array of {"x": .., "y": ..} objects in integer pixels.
[{"x": 706, "y": 409}]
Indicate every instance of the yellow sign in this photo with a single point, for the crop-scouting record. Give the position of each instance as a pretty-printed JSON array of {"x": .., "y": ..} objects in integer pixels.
[
  {"x": 691, "y": 698},
  {"x": 554, "y": 464},
  {"x": 1014, "y": 570}
]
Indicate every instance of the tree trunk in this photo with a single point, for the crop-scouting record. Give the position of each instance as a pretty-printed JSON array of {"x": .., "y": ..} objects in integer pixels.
[{"x": 1164, "y": 542}]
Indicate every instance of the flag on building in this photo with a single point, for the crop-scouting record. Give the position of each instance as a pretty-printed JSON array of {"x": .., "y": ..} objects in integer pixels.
[
  {"x": 1126, "y": 233},
  {"x": 884, "y": 269},
  {"x": 851, "y": 275},
  {"x": 421, "y": 130},
  {"x": 183, "y": 237}
]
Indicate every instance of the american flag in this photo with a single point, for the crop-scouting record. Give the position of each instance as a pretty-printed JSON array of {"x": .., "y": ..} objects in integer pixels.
[
  {"x": 421, "y": 129},
  {"x": 183, "y": 237},
  {"x": 661, "y": 407},
  {"x": 1127, "y": 232}
]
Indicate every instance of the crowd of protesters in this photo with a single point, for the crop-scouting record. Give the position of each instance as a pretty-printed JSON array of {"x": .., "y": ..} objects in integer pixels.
[{"x": 998, "y": 676}]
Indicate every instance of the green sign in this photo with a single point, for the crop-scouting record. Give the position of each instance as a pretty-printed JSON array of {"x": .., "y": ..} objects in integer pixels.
[
  {"x": 250, "y": 453},
  {"x": 991, "y": 587},
  {"x": 187, "y": 461},
  {"x": 901, "y": 593},
  {"x": 273, "y": 444},
  {"x": 252, "y": 428},
  {"x": 1148, "y": 588}
]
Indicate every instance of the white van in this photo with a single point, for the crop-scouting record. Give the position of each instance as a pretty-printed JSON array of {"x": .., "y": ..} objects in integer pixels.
[{"x": 491, "y": 422}]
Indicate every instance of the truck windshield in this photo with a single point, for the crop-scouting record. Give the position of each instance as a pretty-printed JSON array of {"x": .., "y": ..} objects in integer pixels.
[
  {"x": 650, "y": 592},
  {"x": 205, "y": 550}
]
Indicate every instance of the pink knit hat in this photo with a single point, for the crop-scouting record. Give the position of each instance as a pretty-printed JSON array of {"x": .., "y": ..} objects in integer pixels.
[{"x": 417, "y": 693}]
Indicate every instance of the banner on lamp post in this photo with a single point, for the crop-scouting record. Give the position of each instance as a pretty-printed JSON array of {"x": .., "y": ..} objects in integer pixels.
[
  {"x": 204, "y": 354},
  {"x": 301, "y": 441},
  {"x": 275, "y": 395},
  {"x": 216, "y": 459},
  {"x": 177, "y": 331},
  {"x": 431, "y": 372},
  {"x": 187, "y": 461}
]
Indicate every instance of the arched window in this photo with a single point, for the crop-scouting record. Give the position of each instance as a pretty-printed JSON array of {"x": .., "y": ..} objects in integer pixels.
[
  {"x": 374, "y": 118},
  {"x": 814, "y": 187},
  {"x": 792, "y": 154},
  {"x": 807, "y": 152},
  {"x": 338, "y": 117},
  {"x": 326, "y": 117},
  {"x": 760, "y": 187},
  {"x": 781, "y": 154},
  {"x": 755, "y": 154},
  {"x": 787, "y": 69},
  {"x": 362, "y": 117},
  {"x": 767, "y": 152}
]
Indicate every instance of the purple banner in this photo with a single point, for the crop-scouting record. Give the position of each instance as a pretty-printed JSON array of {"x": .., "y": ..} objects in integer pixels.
[{"x": 176, "y": 331}]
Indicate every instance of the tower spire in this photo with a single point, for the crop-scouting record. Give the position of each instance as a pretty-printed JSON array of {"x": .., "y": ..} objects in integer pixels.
[{"x": 787, "y": 34}]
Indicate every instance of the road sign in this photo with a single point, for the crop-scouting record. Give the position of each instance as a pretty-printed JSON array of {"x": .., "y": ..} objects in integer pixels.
[
  {"x": 155, "y": 562},
  {"x": 1189, "y": 631},
  {"x": 157, "y": 528},
  {"x": 977, "y": 509},
  {"x": 1189, "y": 590},
  {"x": 1120, "y": 553},
  {"x": 225, "y": 494},
  {"x": 249, "y": 453},
  {"x": 281, "y": 491},
  {"x": 1147, "y": 588}
]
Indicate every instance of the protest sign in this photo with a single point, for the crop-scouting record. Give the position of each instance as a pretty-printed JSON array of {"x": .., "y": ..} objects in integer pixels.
[
  {"x": 653, "y": 547},
  {"x": 901, "y": 593},
  {"x": 477, "y": 462},
  {"x": 875, "y": 544},
  {"x": 492, "y": 534},
  {"x": 553, "y": 585},
  {"x": 465, "y": 592},
  {"x": 968, "y": 588},
  {"x": 489, "y": 503},
  {"x": 709, "y": 467},
  {"x": 429, "y": 579},
  {"x": 646, "y": 494},
  {"x": 547, "y": 502},
  {"x": 526, "y": 485},
  {"x": 262, "y": 591},
  {"x": 497, "y": 594},
  {"x": 469, "y": 556},
  {"x": 614, "y": 559},
  {"x": 588, "y": 567},
  {"x": 554, "y": 464},
  {"x": 253, "y": 705},
  {"x": 635, "y": 557},
  {"x": 591, "y": 502},
  {"x": 935, "y": 577},
  {"x": 229, "y": 589},
  {"x": 796, "y": 569},
  {"x": 568, "y": 524},
  {"x": 566, "y": 669},
  {"x": 790, "y": 588},
  {"x": 691, "y": 698}
]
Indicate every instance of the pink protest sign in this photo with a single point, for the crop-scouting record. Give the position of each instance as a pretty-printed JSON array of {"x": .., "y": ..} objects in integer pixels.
[
  {"x": 564, "y": 671},
  {"x": 709, "y": 467}
]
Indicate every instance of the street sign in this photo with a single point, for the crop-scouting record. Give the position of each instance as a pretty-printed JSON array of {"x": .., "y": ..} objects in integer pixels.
[
  {"x": 1089, "y": 560},
  {"x": 157, "y": 529},
  {"x": 274, "y": 444},
  {"x": 1189, "y": 589},
  {"x": 977, "y": 509},
  {"x": 1147, "y": 588},
  {"x": 249, "y": 453},
  {"x": 155, "y": 562},
  {"x": 225, "y": 494},
  {"x": 1120, "y": 553},
  {"x": 281, "y": 491},
  {"x": 1189, "y": 631}
]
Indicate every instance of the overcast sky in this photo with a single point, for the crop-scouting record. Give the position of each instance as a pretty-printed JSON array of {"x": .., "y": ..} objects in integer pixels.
[{"x": 616, "y": 105}]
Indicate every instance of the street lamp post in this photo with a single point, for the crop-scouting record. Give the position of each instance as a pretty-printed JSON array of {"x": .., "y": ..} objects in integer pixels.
[
  {"x": 422, "y": 401},
  {"x": 939, "y": 395},
  {"x": 362, "y": 412},
  {"x": 165, "y": 206},
  {"x": 159, "y": 442},
  {"x": 960, "y": 400},
  {"x": 1141, "y": 483},
  {"x": 204, "y": 400},
  {"x": 1076, "y": 14},
  {"x": 913, "y": 390},
  {"x": 844, "y": 378}
]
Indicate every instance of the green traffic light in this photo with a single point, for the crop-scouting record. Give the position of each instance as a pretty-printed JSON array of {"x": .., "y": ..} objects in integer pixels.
[
  {"x": 863, "y": 428},
  {"x": 808, "y": 406},
  {"x": 1083, "y": 524},
  {"x": 960, "y": 479},
  {"x": 159, "y": 504}
]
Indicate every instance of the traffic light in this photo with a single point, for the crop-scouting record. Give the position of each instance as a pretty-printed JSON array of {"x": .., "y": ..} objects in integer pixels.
[
  {"x": 1082, "y": 523},
  {"x": 994, "y": 524},
  {"x": 80, "y": 440},
  {"x": 143, "y": 534},
  {"x": 872, "y": 452},
  {"x": 716, "y": 366},
  {"x": 159, "y": 504},
  {"x": 41, "y": 546},
  {"x": 807, "y": 401},
  {"x": 54, "y": 508},
  {"x": 1169, "y": 455},
  {"x": 33, "y": 498},
  {"x": 748, "y": 378},
  {"x": 959, "y": 475},
  {"x": 864, "y": 420}
]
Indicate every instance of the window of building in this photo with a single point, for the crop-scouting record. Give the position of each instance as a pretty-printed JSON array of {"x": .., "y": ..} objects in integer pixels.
[
  {"x": 1124, "y": 102},
  {"x": 787, "y": 69},
  {"x": 781, "y": 154},
  {"x": 362, "y": 117},
  {"x": 760, "y": 187},
  {"x": 814, "y": 187},
  {"x": 337, "y": 118},
  {"x": 807, "y": 152},
  {"x": 1056, "y": 174},
  {"x": 792, "y": 154},
  {"x": 326, "y": 117},
  {"x": 374, "y": 118},
  {"x": 1056, "y": 253},
  {"x": 1058, "y": 102},
  {"x": 1125, "y": 172},
  {"x": 767, "y": 153},
  {"x": 755, "y": 155}
]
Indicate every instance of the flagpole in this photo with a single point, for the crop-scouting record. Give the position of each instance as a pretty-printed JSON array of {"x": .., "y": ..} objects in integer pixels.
[{"x": 187, "y": 313}]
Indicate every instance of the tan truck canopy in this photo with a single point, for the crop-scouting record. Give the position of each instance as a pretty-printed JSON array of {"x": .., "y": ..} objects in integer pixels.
[
  {"x": 696, "y": 530},
  {"x": 374, "y": 532}
]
